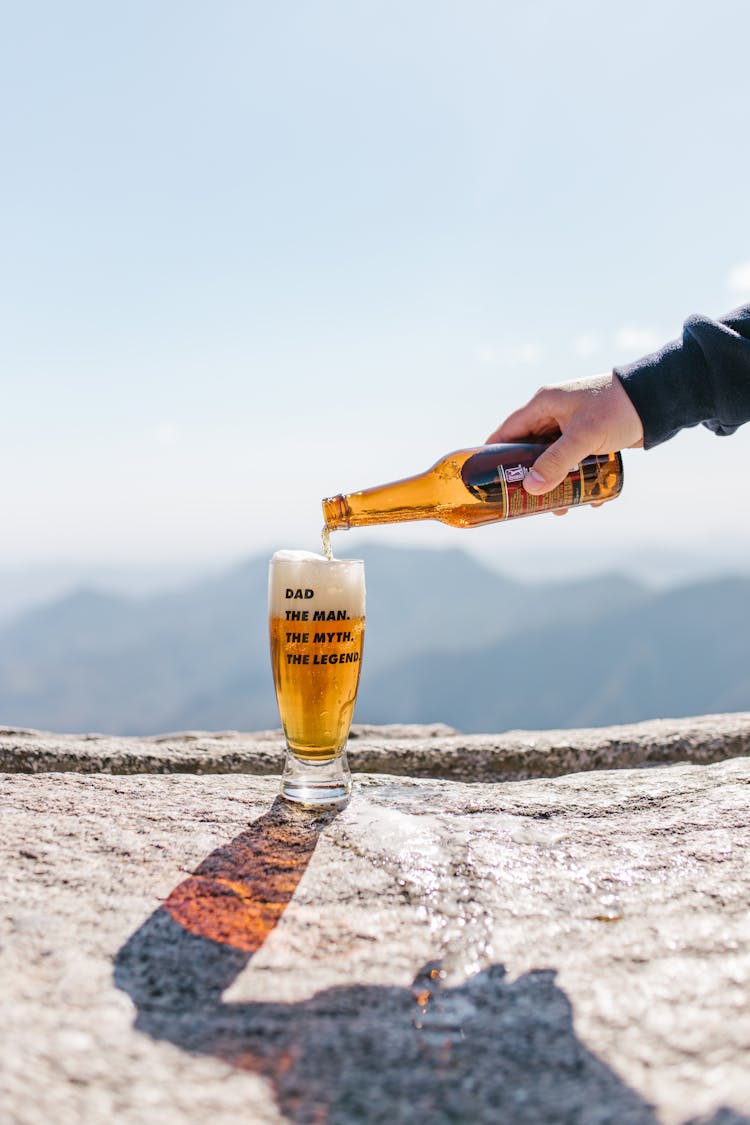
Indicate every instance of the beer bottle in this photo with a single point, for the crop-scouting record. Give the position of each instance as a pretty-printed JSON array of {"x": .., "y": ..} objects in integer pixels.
[{"x": 475, "y": 486}]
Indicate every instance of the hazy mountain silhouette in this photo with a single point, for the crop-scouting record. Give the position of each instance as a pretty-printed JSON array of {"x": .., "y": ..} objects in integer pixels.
[
  {"x": 447, "y": 639},
  {"x": 684, "y": 652}
]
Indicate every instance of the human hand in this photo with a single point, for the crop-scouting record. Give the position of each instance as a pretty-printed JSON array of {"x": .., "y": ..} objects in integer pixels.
[{"x": 586, "y": 416}]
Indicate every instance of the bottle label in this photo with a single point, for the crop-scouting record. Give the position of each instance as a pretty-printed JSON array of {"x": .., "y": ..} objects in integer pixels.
[{"x": 495, "y": 476}]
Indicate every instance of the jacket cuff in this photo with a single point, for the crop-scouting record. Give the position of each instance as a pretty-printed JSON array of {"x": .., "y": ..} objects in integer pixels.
[{"x": 668, "y": 390}]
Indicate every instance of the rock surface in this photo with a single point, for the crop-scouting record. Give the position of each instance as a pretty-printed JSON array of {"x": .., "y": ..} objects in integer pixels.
[
  {"x": 559, "y": 949},
  {"x": 411, "y": 751}
]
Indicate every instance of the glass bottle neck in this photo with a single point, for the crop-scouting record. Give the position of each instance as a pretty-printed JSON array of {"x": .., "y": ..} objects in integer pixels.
[{"x": 396, "y": 502}]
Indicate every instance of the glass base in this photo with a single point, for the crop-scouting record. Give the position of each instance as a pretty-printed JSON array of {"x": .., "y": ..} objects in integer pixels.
[{"x": 316, "y": 783}]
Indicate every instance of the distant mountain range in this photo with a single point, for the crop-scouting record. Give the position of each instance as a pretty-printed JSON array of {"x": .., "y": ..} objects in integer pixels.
[{"x": 447, "y": 640}]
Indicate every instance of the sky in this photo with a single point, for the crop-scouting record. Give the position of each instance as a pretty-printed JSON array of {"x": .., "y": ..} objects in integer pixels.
[{"x": 256, "y": 254}]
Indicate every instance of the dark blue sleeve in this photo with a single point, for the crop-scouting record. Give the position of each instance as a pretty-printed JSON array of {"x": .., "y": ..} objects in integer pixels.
[{"x": 704, "y": 377}]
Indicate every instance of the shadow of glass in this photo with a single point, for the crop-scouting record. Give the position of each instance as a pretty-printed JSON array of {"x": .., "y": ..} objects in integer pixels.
[{"x": 489, "y": 1050}]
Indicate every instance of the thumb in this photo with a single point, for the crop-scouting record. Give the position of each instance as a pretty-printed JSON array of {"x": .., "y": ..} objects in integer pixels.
[{"x": 552, "y": 466}]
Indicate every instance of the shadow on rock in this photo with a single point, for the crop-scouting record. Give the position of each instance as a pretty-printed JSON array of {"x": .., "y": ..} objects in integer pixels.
[{"x": 490, "y": 1050}]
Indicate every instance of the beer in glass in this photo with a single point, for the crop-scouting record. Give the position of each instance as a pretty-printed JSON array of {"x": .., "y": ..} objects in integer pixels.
[{"x": 316, "y": 624}]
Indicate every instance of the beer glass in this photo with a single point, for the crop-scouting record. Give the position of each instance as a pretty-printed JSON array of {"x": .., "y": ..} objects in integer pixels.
[{"x": 316, "y": 610}]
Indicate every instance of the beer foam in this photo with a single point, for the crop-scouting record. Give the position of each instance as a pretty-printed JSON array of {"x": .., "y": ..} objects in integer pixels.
[{"x": 303, "y": 581}]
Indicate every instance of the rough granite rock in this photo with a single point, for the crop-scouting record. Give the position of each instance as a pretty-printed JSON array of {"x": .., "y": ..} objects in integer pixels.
[
  {"x": 411, "y": 751},
  {"x": 185, "y": 949}
]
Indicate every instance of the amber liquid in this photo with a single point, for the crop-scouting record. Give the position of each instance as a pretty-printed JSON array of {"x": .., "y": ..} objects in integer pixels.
[
  {"x": 316, "y": 682},
  {"x": 473, "y": 487}
]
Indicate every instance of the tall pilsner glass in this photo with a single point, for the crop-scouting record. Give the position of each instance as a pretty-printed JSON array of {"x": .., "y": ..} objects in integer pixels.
[{"x": 317, "y": 624}]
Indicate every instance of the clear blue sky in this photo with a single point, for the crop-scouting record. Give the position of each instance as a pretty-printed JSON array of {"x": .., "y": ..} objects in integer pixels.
[{"x": 252, "y": 254}]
